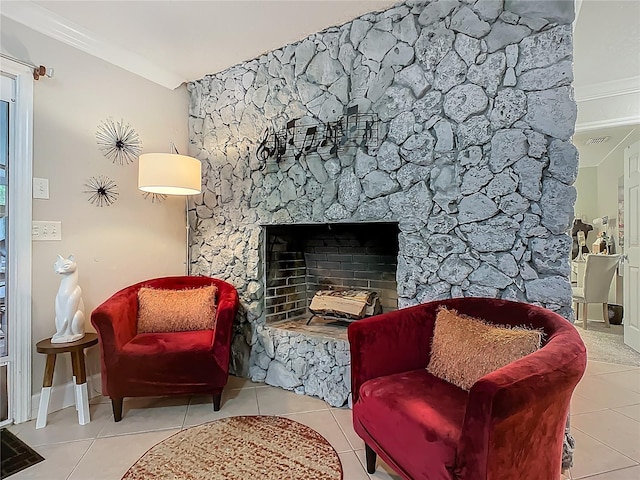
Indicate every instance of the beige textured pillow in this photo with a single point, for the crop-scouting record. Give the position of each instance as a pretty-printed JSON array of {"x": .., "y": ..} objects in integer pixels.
[
  {"x": 176, "y": 310},
  {"x": 465, "y": 349}
]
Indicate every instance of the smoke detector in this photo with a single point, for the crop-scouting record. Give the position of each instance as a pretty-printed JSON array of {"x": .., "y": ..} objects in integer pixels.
[{"x": 597, "y": 140}]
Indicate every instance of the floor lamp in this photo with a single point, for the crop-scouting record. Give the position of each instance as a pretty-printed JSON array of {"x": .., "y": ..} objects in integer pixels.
[{"x": 171, "y": 174}]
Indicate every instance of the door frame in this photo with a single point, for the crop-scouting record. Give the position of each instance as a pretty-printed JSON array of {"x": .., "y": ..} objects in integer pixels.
[{"x": 20, "y": 175}]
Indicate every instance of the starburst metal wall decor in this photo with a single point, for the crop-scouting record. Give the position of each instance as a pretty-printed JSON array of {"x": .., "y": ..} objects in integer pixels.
[
  {"x": 103, "y": 191},
  {"x": 154, "y": 197},
  {"x": 118, "y": 141}
]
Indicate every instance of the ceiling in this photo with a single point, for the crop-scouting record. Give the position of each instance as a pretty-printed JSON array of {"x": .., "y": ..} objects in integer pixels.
[
  {"x": 605, "y": 64},
  {"x": 592, "y": 155},
  {"x": 171, "y": 42},
  {"x": 606, "y": 41}
]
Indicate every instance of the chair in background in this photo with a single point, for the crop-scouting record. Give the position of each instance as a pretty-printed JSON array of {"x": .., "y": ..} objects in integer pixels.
[
  {"x": 166, "y": 363},
  {"x": 598, "y": 274},
  {"x": 509, "y": 424}
]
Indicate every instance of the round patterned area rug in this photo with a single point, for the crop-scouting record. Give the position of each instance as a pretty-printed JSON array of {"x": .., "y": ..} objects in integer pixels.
[{"x": 241, "y": 448}]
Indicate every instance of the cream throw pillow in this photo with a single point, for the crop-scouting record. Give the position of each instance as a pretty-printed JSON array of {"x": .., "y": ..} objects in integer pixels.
[
  {"x": 176, "y": 310},
  {"x": 464, "y": 348}
]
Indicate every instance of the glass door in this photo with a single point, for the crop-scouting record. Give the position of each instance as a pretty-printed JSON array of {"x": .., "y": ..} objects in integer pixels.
[{"x": 7, "y": 91}]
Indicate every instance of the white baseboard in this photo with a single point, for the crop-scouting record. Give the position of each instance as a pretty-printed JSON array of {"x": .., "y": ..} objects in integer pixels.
[{"x": 63, "y": 396}]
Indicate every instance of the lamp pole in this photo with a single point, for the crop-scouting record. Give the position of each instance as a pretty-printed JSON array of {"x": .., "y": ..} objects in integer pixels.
[{"x": 188, "y": 238}]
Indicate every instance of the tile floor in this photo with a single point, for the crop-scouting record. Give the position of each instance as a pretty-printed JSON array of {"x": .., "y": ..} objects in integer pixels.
[{"x": 605, "y": 420}]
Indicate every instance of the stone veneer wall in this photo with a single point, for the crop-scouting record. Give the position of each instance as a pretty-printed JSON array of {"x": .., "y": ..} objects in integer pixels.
[{"x": 474, "y": 162}]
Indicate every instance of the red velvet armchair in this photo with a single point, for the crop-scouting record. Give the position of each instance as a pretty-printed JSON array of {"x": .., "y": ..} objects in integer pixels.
[
  {"x": 509, "y": 425},
  {"x": 176, "y": 363}
]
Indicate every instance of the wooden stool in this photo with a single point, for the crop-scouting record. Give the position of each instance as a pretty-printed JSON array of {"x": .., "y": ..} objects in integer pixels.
[{"x": 76, "y": 349}]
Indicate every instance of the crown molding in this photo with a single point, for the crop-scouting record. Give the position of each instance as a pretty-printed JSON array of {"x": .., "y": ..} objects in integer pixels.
[
  {"x": 613, "y": 122},
  {"x": 577, "y": 7},
  {"x": 59, "y": 28},
  {"x": 611, "y": 88}
]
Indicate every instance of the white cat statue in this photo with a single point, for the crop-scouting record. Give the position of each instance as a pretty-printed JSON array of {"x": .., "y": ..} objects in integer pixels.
[{"x": 69, "y": 304}]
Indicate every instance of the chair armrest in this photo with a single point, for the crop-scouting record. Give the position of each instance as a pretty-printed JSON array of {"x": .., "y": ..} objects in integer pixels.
[
  {"x": 115, "y": 321},
  {"x": 516, "y": 415},
  {"x": 393, "y": 342},
  {"x": 226, "y": 311}
]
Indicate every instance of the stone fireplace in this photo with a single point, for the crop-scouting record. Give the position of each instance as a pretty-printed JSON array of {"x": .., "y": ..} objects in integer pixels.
[
  {"x": 472, "y": 161},
  {"x": 302, "y": 259}
]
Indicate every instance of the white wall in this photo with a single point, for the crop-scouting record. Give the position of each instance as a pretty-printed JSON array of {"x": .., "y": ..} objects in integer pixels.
[
  {"x": 586, "y": 206},
  {"x": 114, "y": 246},
  {"x": 609, "y": 172}
]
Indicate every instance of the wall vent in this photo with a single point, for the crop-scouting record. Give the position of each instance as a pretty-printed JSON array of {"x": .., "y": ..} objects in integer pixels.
[{"x": 597, "y": 140}]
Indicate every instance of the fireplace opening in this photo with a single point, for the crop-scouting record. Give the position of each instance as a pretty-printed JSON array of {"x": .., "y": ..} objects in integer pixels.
[{"x": 301, "y": 260}]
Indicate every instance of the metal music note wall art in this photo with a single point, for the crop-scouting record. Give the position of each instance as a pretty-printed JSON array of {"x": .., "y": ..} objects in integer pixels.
[{"x": 298, "y": 139}]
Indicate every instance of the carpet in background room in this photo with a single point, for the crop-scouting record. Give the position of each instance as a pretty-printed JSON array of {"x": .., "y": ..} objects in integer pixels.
[{"x": 607, "y": 344}]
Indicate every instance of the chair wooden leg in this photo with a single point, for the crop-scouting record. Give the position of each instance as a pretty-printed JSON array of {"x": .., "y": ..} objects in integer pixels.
[
  {"x": 116, "y": 406},
  {"x": 217, "y": 398},
  {"x": 605, "y": 314},
  {"x": 585, "y": 311},
  {"x": 371, "y": 459}
]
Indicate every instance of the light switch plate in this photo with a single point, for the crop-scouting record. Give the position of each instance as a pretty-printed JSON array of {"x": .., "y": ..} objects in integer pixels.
[
  {"x": 41, "y": 188},
  {"x": 46, "y": 230}
]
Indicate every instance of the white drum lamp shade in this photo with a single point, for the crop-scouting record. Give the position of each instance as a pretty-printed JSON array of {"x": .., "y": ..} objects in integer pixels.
[{"x": 169, "y": 174}]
